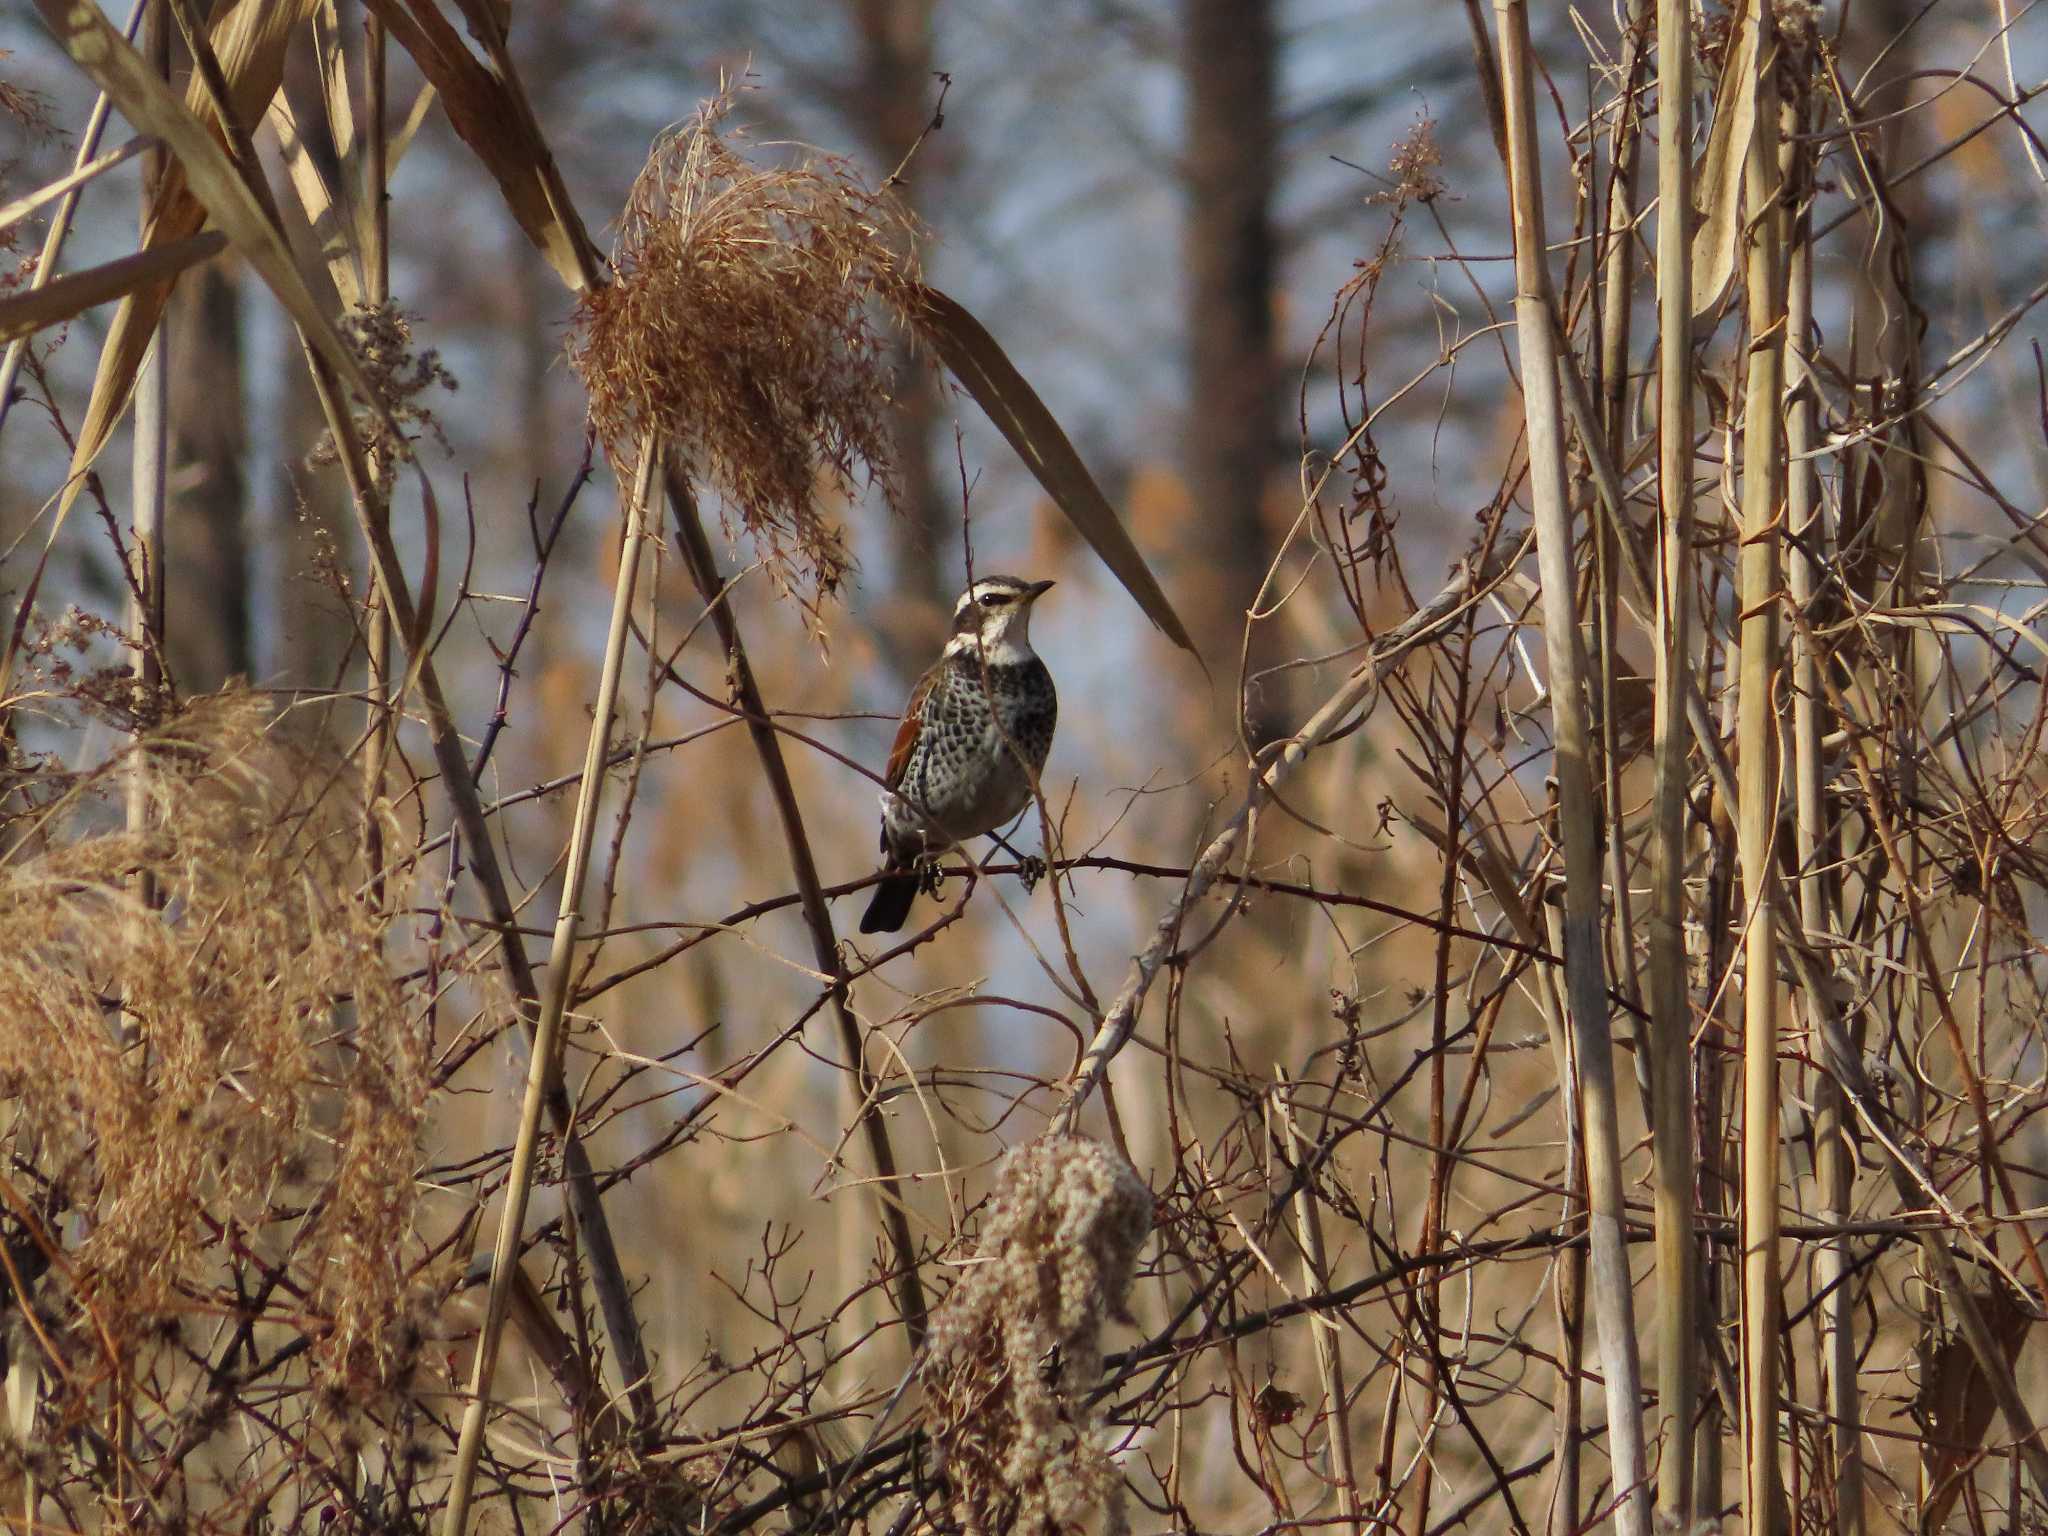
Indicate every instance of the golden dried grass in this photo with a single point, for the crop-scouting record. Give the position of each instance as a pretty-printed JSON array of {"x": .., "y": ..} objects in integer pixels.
[
  {"x": 238, "y": 1060},
  {"x": 746, "y": 327}
]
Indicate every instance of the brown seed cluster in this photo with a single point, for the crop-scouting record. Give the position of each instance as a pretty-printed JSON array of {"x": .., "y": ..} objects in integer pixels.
[
  {"x": 746, "y": 327},
  {"x": 402, "y": 376},
  {"x": 1017, "y": 1345}
]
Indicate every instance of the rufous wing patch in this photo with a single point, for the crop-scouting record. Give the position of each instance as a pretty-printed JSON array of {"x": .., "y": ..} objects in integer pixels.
[{"x": 906, "y": 733}]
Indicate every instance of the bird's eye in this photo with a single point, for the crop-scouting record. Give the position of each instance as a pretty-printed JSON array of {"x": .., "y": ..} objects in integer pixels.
[{"x": 991, "y": 599}]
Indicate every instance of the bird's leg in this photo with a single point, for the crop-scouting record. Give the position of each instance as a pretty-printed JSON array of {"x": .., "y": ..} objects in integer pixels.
[
  {"x": 931, "y": 879},
  {"x": 1030, "y": 867}
]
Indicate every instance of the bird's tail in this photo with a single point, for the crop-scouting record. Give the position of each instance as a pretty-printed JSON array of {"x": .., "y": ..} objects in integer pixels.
[{"x": 890, "y": 907}]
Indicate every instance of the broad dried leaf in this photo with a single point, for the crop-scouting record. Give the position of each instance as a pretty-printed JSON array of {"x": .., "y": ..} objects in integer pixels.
[
  {"x": 216, "y": 182},
  {"x": 486, "y": 115},
  {"x": 328, "y": 226},
  {"x": 209, "y": 173},
  {"x": 341, "y": 123},
  {"x": 249, "y": 39},
  {"x": 1715, "y": 241},
  {"x": 981, "y": 365},
  {"x": 56, "y": 301}
]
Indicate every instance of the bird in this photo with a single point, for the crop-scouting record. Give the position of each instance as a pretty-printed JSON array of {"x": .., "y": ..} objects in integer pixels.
[{"x": 971, "y": 742}]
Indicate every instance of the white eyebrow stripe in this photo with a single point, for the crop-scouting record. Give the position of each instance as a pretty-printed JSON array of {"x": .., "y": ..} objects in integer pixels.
[{"x": 985, "y": 588}]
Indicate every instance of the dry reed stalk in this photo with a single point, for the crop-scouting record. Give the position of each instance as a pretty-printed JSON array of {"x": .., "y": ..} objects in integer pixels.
[
  {"x": 1670, "y": 1031},
  {"x": 1567, "y": 1411},
  {"x": 1617, "y": 265},
  {"x": 1757, "y": 783},
  {"x": 1819, "y": 918},
  {"x": 543, "y": 1066},
  {"x": 1578, "y": 808},
  {"x": 697, "y": 556},
  {"x": 150, "y": 445}
]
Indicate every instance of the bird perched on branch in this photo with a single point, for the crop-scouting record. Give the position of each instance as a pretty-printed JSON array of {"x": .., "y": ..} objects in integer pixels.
[{"x": 971, "y": 743}]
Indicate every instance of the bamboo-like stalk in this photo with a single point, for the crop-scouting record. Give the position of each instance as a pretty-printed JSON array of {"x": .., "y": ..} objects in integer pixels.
[
  {"x": 1618, "y": 259},
  {"x": 149, "y": 475},
  {"x": 1670, "y": 1031},
  {"x": 697, "y": 556},
  {"x": 1578, "y": 807},
  {"x": 1833, "y": 1129},
  {"x": 1567, "y": 1412},
  {"x": 1757, "y": 794},
  {"x": 542, "y": 1069},
  {"x": 1617, "y": 299}
]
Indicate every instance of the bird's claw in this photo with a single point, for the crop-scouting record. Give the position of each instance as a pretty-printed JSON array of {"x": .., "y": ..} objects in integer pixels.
[
  {"x": 930, "y": 878},
  {"x": 1030, "y": 870}
]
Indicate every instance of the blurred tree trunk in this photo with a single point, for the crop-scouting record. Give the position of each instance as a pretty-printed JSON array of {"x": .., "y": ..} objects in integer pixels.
[
  {"x": 207, "y": 570},
  {"x": 890, "y": 103},
  {"x": 1232, "y": 434}
]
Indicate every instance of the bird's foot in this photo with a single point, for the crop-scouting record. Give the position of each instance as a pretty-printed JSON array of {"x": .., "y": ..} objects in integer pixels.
[
  {"x": 930, "y": 878},
  {"x": 1030, "y": 870}
]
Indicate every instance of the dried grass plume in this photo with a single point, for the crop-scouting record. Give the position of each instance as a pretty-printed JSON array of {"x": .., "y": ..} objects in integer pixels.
[
  {"x": 1017, "y": 1345},
  {"x": 745, "y": 327},
  {"x": 238, "y": 1060}
]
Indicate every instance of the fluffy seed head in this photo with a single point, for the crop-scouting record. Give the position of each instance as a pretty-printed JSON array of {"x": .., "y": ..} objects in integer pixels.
[
  {"x": 1016, "y": 1346},
  {"x": 744, "y": 327}
]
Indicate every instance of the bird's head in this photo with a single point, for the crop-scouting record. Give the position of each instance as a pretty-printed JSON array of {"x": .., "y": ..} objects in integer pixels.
[{"x": 993, "y": 619}]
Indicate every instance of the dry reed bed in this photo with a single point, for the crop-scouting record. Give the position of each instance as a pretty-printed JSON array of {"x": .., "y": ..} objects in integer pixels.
[{"x": 1760, "y": 801}]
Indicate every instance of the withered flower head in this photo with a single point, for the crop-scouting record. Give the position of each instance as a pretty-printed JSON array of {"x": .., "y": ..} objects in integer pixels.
[
  {"x": 746, "y": 326},
  {"x": 1017, "y": 1345}
]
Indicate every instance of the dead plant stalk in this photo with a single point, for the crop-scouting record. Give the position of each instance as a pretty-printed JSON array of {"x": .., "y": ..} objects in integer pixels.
[
  {"x": 1578, "y": 808},
  {"x": 1757, "y": 786},
  {"x": 1819, "y": 918},
  {"x": 1669, "y": 999},
  {"x": 697, "y": 556},
  {"x": 542, "y": 1068}
]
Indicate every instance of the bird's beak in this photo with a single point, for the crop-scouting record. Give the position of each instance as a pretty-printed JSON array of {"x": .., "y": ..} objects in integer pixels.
[{"x": 1039, "y": 589}]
